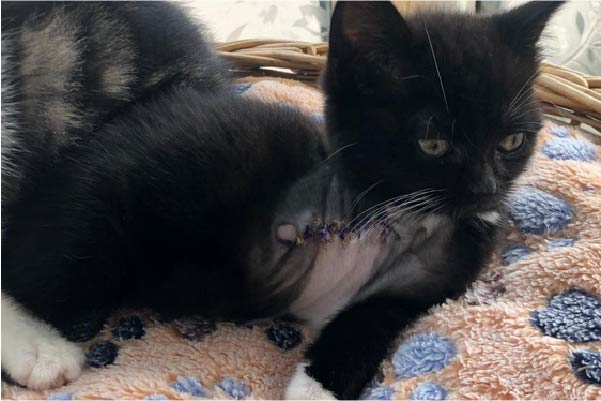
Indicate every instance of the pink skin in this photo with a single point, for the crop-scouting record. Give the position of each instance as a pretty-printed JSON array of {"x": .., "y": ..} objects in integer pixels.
[
  {"x": 341, "y": 268},
  {"x": 287, "y": 232}
]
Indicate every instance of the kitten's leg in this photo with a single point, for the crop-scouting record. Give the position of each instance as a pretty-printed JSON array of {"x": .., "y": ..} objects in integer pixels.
[
  {"x": 33, "y": 353},
  {"x": 348, "y": 352}
]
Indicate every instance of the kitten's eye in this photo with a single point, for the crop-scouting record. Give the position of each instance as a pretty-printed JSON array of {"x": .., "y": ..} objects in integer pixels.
[
  {"x": 434, "y": 147},
  {"x": 511, "y": 142}
]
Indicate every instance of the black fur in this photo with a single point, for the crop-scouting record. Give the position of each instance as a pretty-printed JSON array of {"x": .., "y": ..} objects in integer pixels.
[
  {"x": 80, "y": 64},
  {"x": 154, "y": 188},
  {"x": 158, "y": 210},
  {"x": 384, "y": 93}
]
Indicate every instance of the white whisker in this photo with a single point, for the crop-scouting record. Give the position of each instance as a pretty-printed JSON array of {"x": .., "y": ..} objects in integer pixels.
[
  {"x": 406, "y": 210},
  {"x": 519, "y": 95},
  {"x": 428, "y": 126},
  {"x": 436, "y": 65},
  {"x": 362, "y": 195},
  {"x": 338, "y": 151},
  {"x": 419, "y": 207},
  {"x": 367, "y": 213}
]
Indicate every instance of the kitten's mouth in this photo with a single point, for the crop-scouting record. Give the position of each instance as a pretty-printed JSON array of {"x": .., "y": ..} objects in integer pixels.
[
  {"x": 487, "y": 207},
  {"x": 467, "y": 209}
]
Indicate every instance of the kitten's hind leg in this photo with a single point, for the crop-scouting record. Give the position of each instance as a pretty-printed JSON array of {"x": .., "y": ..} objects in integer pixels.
[{"x": 33, "y": 353}]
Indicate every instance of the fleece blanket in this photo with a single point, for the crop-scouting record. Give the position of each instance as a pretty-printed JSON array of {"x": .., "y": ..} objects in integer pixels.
[{"x": 530, "y": 328}]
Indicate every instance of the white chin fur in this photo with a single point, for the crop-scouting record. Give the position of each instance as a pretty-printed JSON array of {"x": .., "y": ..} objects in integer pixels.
[
  {"x": 33, "y": 353},
  {"x": 303, "y": 387},
  {"x": 492, "y": 217}
]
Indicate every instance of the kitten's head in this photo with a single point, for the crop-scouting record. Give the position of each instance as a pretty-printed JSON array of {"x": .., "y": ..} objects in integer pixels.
[{"x": 433, "y": 101}]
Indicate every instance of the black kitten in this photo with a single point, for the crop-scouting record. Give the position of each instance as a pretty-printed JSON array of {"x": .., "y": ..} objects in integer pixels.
[
  {"x": 438, "y": 108},
  {"x": 150, "y": 209},
  {"x": 229, "y": 208}
]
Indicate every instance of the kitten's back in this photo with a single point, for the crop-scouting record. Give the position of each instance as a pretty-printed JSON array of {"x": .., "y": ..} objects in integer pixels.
[{"x": 69, "y": 67}]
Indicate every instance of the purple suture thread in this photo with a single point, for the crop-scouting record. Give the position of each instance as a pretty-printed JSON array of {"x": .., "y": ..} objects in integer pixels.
[
  {"x": 308, "y": 233},
  {"x": 344, "y": 232},
  {"x": 324, "y": 232}
]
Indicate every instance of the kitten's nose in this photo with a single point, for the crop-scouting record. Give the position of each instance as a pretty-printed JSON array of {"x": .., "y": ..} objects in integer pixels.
[{"x": 484, "y": 182}]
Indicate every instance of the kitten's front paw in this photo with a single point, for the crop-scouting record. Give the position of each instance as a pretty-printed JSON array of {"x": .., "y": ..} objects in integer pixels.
[
  {"x": 44, "y": 362},
  {"x": 304, "y": 387},
  {"x": 33, "y": 353}
]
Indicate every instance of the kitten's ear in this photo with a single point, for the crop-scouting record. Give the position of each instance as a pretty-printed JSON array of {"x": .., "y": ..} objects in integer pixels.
[
  {"x": 372, "y": 32},
  {"x": 521, "y": 27},
  {"x": 365, "y": 26}
]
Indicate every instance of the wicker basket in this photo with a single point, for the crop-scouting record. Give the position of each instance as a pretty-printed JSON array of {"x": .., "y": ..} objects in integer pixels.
[{"x": 566, "y": 94}]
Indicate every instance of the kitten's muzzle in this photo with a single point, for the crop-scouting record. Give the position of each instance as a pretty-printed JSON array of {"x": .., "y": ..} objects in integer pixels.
[
  {"x": 477, "y": 204},
  {"x": 484, "y": 182}
]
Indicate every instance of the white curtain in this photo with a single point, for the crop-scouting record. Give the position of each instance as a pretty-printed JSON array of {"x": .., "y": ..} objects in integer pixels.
[
  {"x": 573, "y": 36},
  {"x": 294, "y": 20}
]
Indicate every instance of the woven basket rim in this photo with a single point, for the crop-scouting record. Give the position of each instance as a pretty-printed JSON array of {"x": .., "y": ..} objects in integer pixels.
[{"x": 565, "y": 93}]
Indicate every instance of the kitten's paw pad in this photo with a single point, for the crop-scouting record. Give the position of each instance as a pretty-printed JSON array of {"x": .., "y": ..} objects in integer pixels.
[
  {"x": 304, "y": 387},
  {"x": 47, "y": 364}
]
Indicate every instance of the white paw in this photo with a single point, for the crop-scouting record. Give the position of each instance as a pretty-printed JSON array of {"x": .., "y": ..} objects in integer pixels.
[
  {"x": 33, "y": 353},
  {"x": 45, "y": 364},
  {"x": 304, "y": 387}
]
